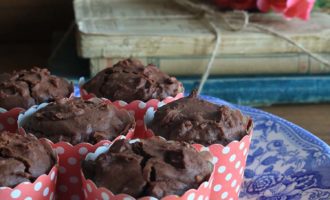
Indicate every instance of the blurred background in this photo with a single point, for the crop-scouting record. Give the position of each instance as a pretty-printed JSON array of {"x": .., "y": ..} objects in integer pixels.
[{"x": 291, "y": 85}]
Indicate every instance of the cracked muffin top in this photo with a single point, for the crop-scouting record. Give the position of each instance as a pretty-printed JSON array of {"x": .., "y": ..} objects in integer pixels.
[
  {"x": 194, "y": 120},
  {"x": 152, "y": 167},
  {"x": 130, "y": 80},
  {"x": 26, "y": 88},
  {"x": 23, "y": 158},
  {"x": 76, "y": 120}
]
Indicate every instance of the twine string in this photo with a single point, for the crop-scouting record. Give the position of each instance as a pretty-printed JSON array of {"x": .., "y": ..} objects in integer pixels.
[
  {"x": 212, "y": 58},
  {"x": 212, "y": 13},
  {"x": 320, "y": 59}
]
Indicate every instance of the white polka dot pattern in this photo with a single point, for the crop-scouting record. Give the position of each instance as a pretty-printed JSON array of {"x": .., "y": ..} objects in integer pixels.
[
  {"x": 83, "y": 151},
  {"x": 201, "y": 197},
  {"x": 60, "y": 150},
  {"x": 224, "y": 195},
  {"x": 191, "y": 196},
  {"x": 122, "y": 103},
  {"x": 62, "y": 170},
  {"x": 39, "y": 190},
  {"x": 241, "y": 146},
  {"x": 37, "y": 186},
  {"x": 214, "y": 160},
  {"x": 72, "y": 161},
  {"x": 224, "y": 183},
  {"x": 74, "y": 179},
  {"x": 232, "y": 158},
  {"x": 233, "y": 184},
  {"x": 217, "y": 188},
  {"x": 15, "y": 194},
  {"x": 225, "y": 150},
  {"x": 221, "y": 169},
  {"x": 229, "y": 167},
  {"x": 142, "y": 105},
  {"x": 228, "y": 177},
  {"x": 69, "y": 170},
  {"x": 105, "y": 196},
  {"x": 91, "y": 192},
  {"x": 139, "y": 109},
  {"x": 128, "y": 198},
  {"x": 52, "y": 176}
]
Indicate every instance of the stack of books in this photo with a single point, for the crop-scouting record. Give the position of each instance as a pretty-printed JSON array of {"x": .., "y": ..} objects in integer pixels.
[{"x": 180, "y": 43}]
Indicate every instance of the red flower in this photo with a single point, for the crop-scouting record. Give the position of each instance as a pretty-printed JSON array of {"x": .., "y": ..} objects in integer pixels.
[
  {"x": 236, "y": 4},
  {"x": 289, "y": 8}
]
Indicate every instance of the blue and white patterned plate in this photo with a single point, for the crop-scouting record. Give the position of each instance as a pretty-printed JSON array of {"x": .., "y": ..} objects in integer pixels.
[{"x": 285, "y": 161}]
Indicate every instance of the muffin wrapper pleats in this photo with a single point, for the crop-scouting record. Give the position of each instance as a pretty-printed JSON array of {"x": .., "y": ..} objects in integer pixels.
[
  {"x": 224, "y": 183},
  {"x": 43, "y": 188},
  {"x": 229, "y": 165},
  {"x": 8, "y": 119},
  {"x": 229, "y": 161},
  {"x": 69, "y": 180},
  {"x": 138, "y": 108},
  {"x": 92, "y": 192},
  {"x": 70, "y": 157}
]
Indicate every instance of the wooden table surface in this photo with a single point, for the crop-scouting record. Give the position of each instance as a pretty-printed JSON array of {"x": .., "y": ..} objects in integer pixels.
[{"x": 312, "y": 117}]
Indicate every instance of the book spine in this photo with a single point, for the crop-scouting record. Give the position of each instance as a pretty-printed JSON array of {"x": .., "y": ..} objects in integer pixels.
[
  {"x": 113, "y": 28},
  {"x": 261, "y": 91},
  {"x": 261, "y": 64},
  {"x": 257, "y": 43}
]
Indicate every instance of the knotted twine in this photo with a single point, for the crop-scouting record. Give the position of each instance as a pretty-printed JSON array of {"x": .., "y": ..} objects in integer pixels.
[{"x": 210, "y": 14}]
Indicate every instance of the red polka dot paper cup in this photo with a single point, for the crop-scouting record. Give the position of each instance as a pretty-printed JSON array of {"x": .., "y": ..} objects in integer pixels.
[
  {"x": 229, "y": 162},
  {"x": 138, "y": 108},
  {"x": 8, "y": 119},
  {"x": 69, "y": 181},
  {"x": 92, "y": 192},
  {"x": 43, "y": 188}
]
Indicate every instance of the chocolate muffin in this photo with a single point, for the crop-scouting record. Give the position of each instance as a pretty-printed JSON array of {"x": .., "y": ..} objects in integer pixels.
[
  {"x": 194, "y": 120},
  {"x": 23, "y": 158},
  {"x": 26, "y": 88},
  {"x": 152, "y": 167},
  {"x": 75, "y": 120},
  {"x": 130, "y": 80}
]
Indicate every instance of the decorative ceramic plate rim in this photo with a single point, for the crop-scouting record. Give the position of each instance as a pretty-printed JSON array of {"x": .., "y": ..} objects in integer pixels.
[
  {"x": 305, "y": 183},
  {"x": 307, "y": 134}
]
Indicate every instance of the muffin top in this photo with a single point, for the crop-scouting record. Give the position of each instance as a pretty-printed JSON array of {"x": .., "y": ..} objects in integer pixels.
[
  {"x": 23, "y": 158},
  {"x": 75, "y": 120},
  {"x": 26, "y": 88},
  {"x": 130, "y": 80},
  {"x": 197, "y": 121},
  {"x": 152, "y": 167}
]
